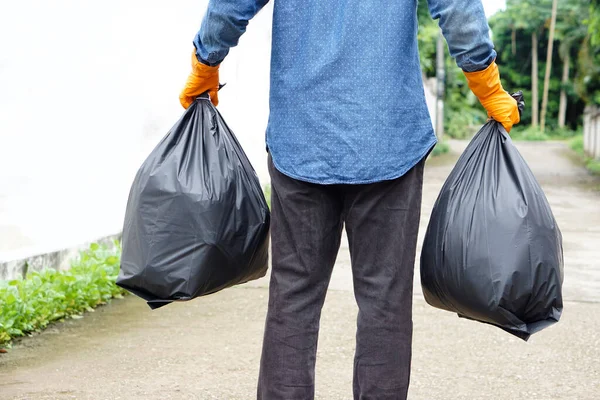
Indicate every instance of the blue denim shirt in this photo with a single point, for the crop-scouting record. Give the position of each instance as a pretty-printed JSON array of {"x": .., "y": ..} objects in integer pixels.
[{"x": 347, "y": 103}]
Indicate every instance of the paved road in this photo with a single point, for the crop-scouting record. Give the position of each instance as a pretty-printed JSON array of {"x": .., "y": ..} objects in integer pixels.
[{"x": 209, "y": 348}]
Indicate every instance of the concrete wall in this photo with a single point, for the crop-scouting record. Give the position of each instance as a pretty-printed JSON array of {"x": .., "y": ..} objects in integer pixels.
[
  {"x": 591, "y": 132},
  {"x": 86, "y": 91},
  {"x": 59, "y": 260}
]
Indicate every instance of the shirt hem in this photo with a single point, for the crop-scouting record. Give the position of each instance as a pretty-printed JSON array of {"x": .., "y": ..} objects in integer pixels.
[{"x": 390, "y": 177}]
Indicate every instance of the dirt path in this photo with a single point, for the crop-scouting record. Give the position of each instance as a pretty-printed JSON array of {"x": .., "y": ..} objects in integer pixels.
[{"x": 210, "y": 348}]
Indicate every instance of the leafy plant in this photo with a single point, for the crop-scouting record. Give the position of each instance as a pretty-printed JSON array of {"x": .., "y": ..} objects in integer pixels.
[
  {"x": 440, "y": 148},
  {"x": 593, "y": 165},
  {"x": 529, "y": 133},
  {"x": 576, "y": 144},
  {"x": 532, "y": 134},
  {"x": 30, "y": 304},
  {"x": 267, "y": 192},
  {"x": 563, "y": 133}
]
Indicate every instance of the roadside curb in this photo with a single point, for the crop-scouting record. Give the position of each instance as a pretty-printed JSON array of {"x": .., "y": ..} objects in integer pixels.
[{"x": 57, "y": 259}]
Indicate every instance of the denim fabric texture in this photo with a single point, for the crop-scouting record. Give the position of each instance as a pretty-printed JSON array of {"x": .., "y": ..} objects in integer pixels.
[
  {"x": 347, "y": 103},
  {"x": 382, "y": 222}
]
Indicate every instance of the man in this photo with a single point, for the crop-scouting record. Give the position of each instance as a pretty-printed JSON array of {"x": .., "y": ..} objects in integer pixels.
[{"x": 348, "y": 135}]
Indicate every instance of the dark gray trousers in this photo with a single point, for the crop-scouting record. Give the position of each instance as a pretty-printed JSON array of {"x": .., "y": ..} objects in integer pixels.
[{"x": 382, "y": 221}]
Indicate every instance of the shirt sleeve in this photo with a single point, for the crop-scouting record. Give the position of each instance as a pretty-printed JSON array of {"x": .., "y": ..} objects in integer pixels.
[
  {"x": 465, "y": 27},
  {"x": 223, "y": 24}
]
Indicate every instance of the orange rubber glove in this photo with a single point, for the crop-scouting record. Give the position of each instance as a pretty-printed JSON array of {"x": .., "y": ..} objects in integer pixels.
[
  {"x": 202, "y": 78},
  {"x": 499, "y": 105}
]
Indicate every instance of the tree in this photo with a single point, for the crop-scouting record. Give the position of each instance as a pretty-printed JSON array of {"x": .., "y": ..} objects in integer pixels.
[
  {"x": 520, "y": 32},
  {"x": 548, "y": 64},
  {"x": 562, "y": 108},
  {"x": 594, "y": 22},
  {"x": 529, "y": 16},
  {"x": 535, "y": 103},
  {"x": 532, "y": 18},
  {"x": 571, "y": 34},
  {"x": 587, "y": 79}
]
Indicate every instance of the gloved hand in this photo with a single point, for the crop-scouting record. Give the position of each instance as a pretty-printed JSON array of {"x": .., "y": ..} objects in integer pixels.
[
  {"x": 201, "y": 79},
  {"x": 499, "y": 105}
]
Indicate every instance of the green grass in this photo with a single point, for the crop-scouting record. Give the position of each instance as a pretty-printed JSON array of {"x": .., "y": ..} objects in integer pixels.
[
  {"x": 593, "y": 165},
  {"x": 31, "y": 304},
  {"x": 529, "y": 133},
  {"x": 440, "y": 148},
  {"x": 576, "y": 144},
  {"x": 267, "y": 192}
]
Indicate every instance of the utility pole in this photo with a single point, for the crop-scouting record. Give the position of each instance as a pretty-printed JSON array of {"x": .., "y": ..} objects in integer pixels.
[{"x": 440, "y": 79}]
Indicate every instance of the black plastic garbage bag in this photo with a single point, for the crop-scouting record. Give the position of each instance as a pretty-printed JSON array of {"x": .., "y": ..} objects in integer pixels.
[
  {"x": 493, "y": 250},
  {"x": 196, "y": 220}
]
